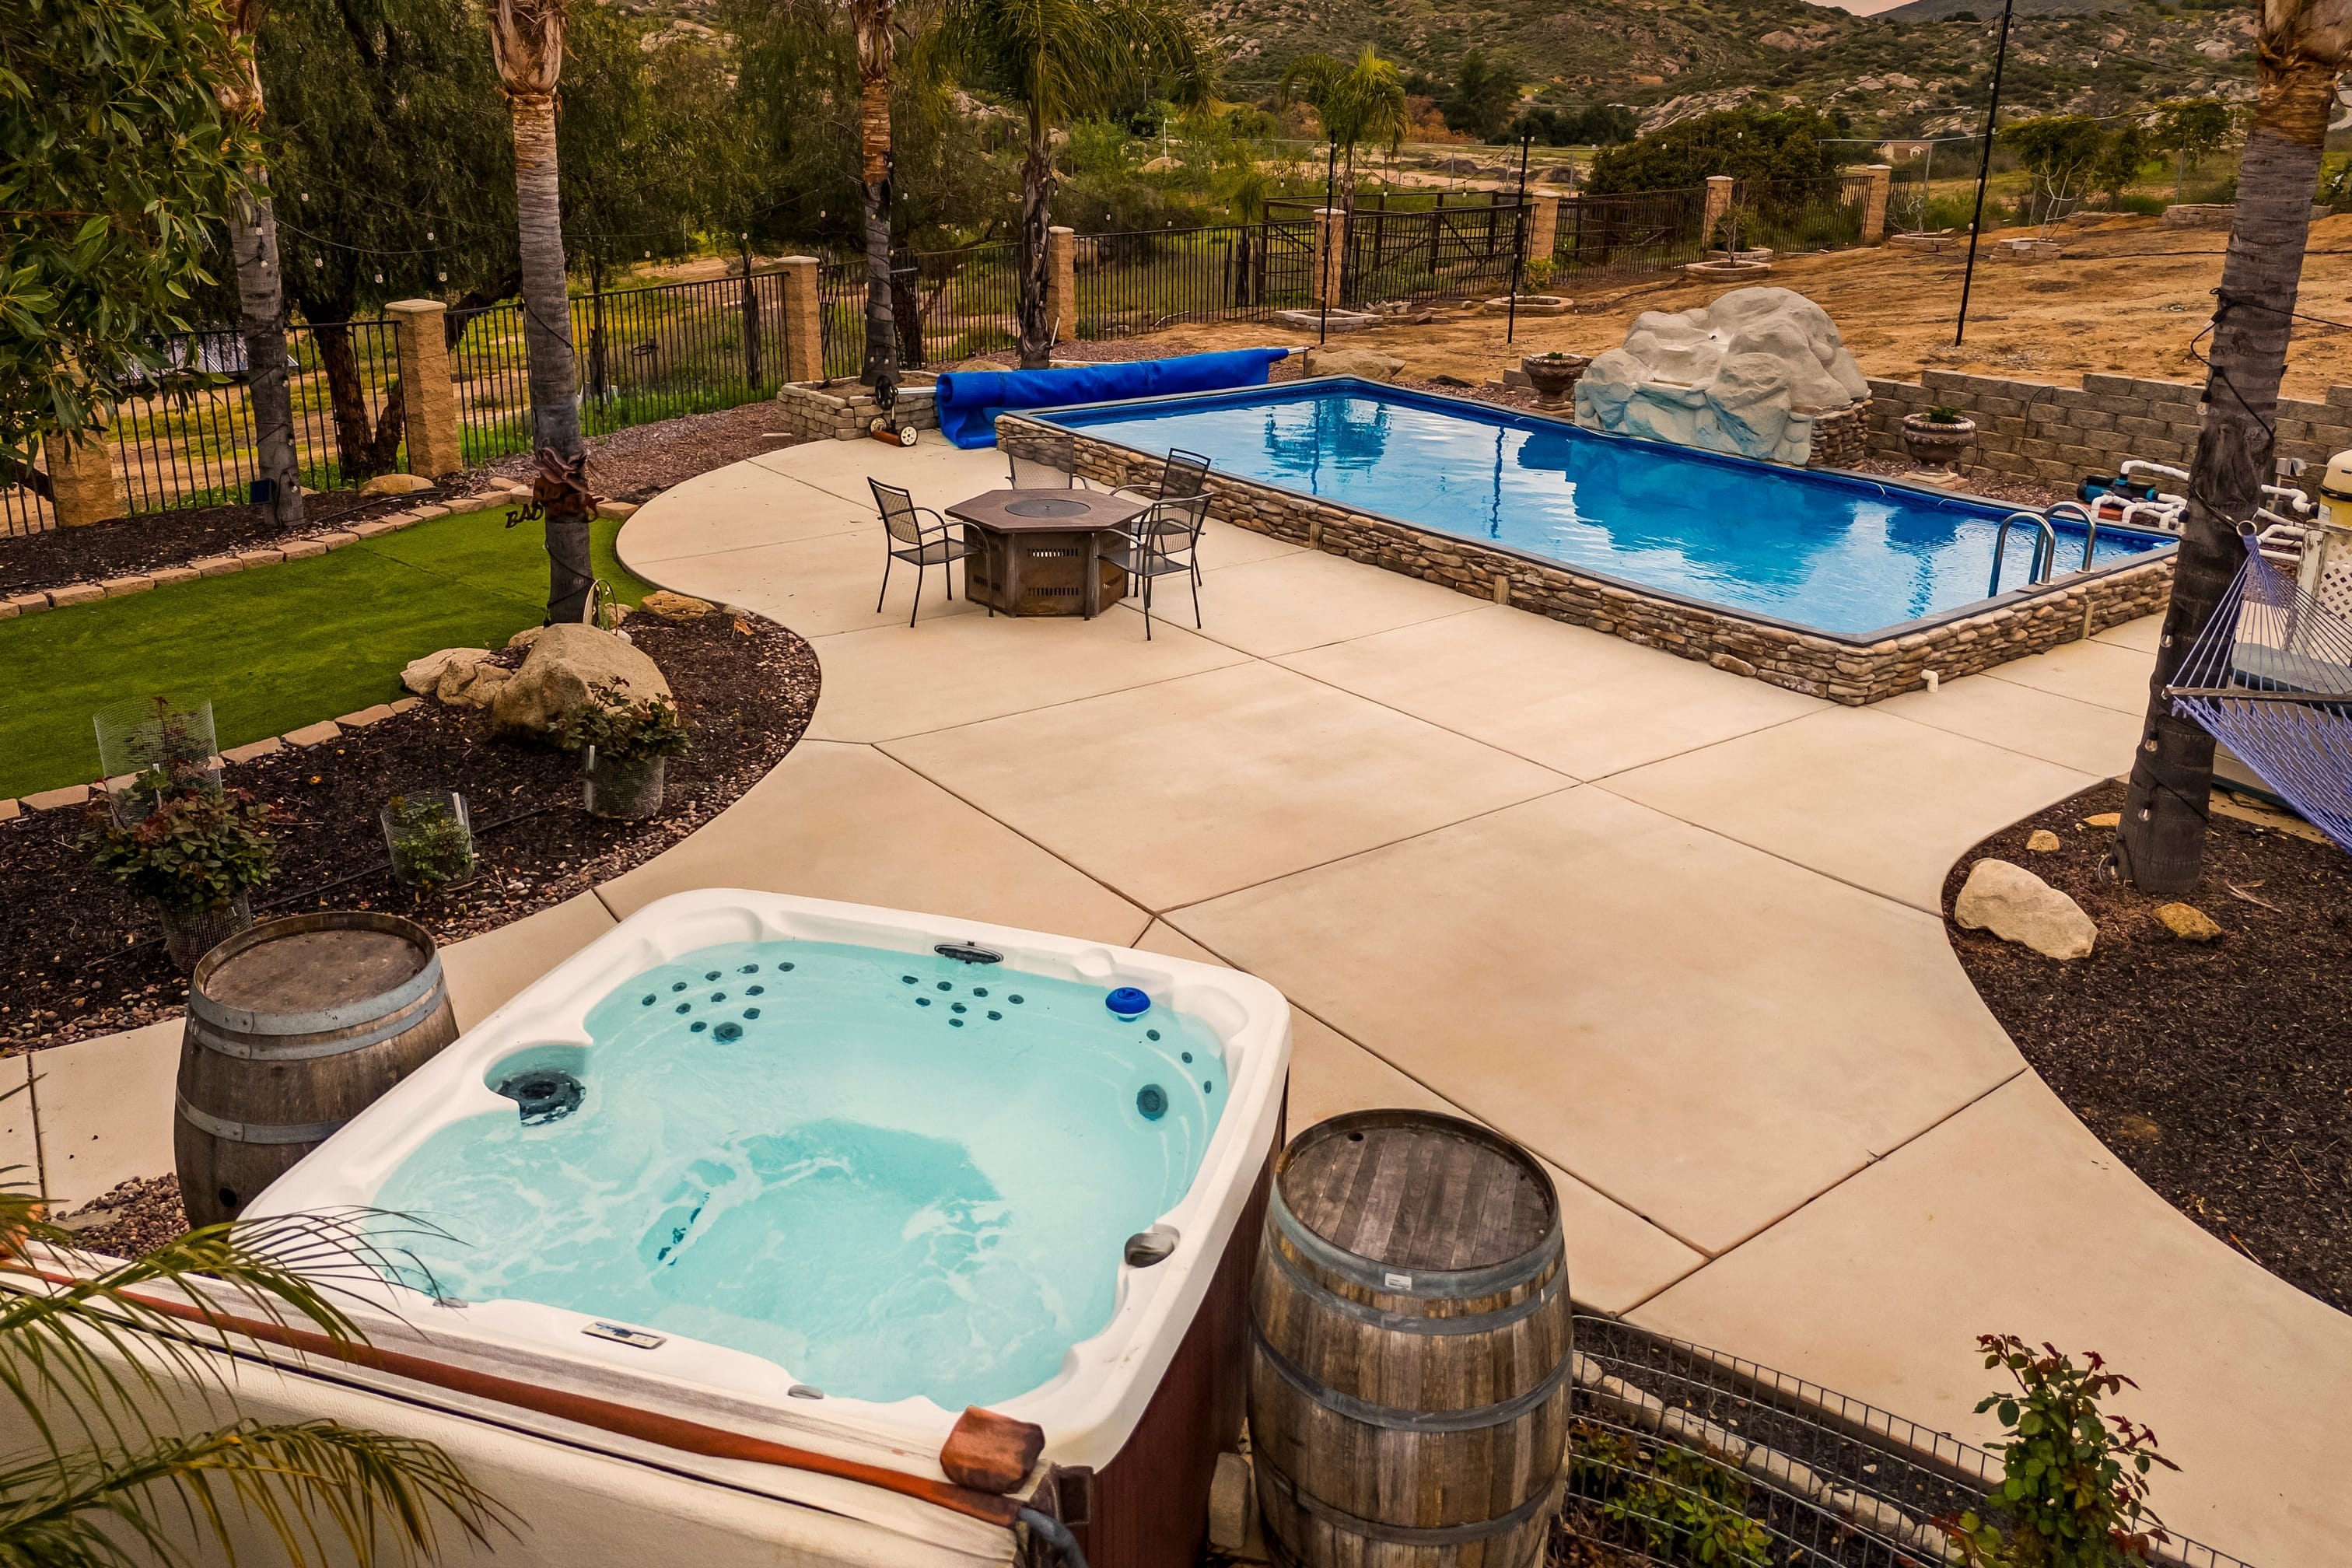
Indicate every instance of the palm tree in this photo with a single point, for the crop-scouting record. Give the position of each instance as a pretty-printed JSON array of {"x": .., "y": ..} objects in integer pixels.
[
  {"x": 526, "y": 39},
  {"x": 2160, "y": 842},
  {"x": 1055, "y": 60},
  {"x": 88, "y": 1348},
  {"x": 1363, "y": 102},
  {"x": 261, "y": 295},
  {"x": 872, "y": 21}
]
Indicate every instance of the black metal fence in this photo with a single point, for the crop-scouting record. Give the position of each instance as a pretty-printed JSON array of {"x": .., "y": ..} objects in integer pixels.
[{"x": 1682, "y": 1455}]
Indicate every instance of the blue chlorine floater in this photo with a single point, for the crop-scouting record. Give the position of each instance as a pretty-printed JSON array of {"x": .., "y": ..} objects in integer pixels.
[{"x": 1127, "y": 1002}]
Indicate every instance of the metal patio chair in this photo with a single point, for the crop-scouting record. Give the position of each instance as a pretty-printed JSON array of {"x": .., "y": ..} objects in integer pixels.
[
  {"x": 1184, "y": 476},
  {"x": 1165, "y": 540},
  {"x": 911, "y": 540},
  {"x": 1045, "y": 463}
]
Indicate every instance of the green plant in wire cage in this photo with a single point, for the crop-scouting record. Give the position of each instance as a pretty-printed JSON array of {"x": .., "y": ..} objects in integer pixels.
[
  {"x": 432, "y": 844},
  {"x": 1678, "y": 1506},
  {"x": 194, "y": 849},
  {"x": 2075, "y": 1493},
  {"x": 623, "y": 729}
]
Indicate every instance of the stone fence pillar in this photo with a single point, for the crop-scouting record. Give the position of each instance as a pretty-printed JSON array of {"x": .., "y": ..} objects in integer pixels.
[
  {"x": 1330, "y": 257},
  {"x": 1062, "y": 282},
  {"x": 803, "y": 319},
  {"x": 428, "y": 402},
  {"x": 1873, "y": 204},
  {"x": 81, "y": 480},
  {"x": 1718, "y": 202},
  {"x": 1543, "y": 225}
]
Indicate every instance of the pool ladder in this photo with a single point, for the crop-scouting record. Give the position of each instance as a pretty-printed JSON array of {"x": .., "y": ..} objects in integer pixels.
[{"x": 2044, "y": 564}]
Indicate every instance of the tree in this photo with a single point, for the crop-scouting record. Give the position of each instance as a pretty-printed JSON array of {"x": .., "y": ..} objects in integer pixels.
[
  {"x": 1765, "y": 146},
  {"x": 84, "y": 1359},
  {"x": 2160, "y": 841},
  {"x": 2058, "y": 151},
  {"x": 872, "y": 21},
  {"x": 2118, "y": 163},
  {"x": 260, "y": 285},
  {"x": 1055, "y": 60},
  {"x": 116, "y": 164},
  {"x": 1357, "y": 103},
  {"x": 1483, "y": 99},
  {"x": 527, "y": 40},
  {"x": 2191, "y": 130}
]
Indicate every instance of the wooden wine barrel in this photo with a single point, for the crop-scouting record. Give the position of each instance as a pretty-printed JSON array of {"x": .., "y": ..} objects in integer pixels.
[
  {"x": 1409, "y": 1355},
  {"x": 294, "y": 1025}
]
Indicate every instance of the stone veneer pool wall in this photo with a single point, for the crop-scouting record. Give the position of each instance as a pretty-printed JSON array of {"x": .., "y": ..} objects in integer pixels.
[{"x": 1841, "y": 670}]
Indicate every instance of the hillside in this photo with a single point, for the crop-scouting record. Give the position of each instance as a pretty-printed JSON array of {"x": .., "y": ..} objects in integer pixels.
[{"x": 1893, "y": 74}]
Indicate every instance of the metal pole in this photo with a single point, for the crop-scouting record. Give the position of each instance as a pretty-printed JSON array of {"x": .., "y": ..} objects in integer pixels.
[
  {"x": 1984, "y": 172},
  {"x": 1323, "y": 257},
  {"x": 1518, "y": 245}
]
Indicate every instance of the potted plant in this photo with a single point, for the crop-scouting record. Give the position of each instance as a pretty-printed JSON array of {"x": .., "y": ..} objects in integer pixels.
[
  {"x": 624, "y": 745},
  {"x": 430, "y": 837},
  {"x": 1939, "y": 437},
  {"x": 1553, "y": 375},
  {"x": 193, "y": 852}
]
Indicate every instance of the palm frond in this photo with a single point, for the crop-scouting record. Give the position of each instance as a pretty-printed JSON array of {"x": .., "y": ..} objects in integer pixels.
[{"x": 324, "y": 1490}]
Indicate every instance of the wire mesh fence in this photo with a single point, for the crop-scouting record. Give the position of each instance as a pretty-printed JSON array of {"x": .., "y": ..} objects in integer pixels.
[{"x": 1682, "y": 1455}]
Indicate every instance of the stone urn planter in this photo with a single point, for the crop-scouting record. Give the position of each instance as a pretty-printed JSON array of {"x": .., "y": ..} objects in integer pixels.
[
  {"x": 1937, "y": 443},
  {"x": 1553, "y": 375}
]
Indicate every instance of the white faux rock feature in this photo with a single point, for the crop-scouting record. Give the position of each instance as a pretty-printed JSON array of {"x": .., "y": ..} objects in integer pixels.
[
  {"x": 2015, "y": 905},
  {"x": 565, "y": 664},
  {"x": 1747, "y": 375}
]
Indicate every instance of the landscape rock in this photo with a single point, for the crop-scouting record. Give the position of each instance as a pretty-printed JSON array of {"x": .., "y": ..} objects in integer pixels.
[
  {"x": 395, "y": 485},
  {"x": 2042, "y": 841},
  {"x": 1747, "y": 375},
  {"x": 525, "y": 637},
  {"x": 564, "y": 663},
  {"x": 2017, "y": 906},
  {"x": 674, "y": 606},
  {"x": 1369, "y": 363},
  {"x": 2188, "y": 922},
  {"x": 2105, "y": 819},
  {"x": 422, "y": 675}
]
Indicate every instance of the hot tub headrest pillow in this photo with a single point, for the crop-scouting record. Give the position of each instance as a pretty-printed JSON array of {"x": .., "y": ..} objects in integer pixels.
[{"x": 969, "y": 401}]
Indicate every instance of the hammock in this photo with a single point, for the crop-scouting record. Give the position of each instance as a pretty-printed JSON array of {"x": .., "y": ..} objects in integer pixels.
[{"x": 2271, "y": 677}]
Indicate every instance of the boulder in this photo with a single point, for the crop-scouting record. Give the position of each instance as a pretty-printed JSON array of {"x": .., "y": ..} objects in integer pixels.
[
  {"x": 2188, "y": 922},
  {"x": 525, "y": 637},
  {"x": 395, "y": 485},
  {"x": 1748, "y": 374},
  {"x": 1369, "y": 363},
  {"x": 422, "y": 675},
  {"x": 674, "y": 606},
  {"x": 2015, "y": 905},
  {"x": 470, "y": 680},
  {"x": 565, "y": 664}
]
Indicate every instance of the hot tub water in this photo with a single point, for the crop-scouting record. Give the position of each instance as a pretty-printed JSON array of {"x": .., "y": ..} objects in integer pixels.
[{"x": 893, "y": 1176}]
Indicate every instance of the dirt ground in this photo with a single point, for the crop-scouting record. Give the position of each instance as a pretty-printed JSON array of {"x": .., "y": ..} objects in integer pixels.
[{"x": 2127, "y": 296}]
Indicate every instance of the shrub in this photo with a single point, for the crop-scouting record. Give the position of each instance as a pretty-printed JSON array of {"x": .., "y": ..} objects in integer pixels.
[
  {"x": 1945, "y": 414},
  {"x": 1678, "y": 1506},
  {"x": 624, "y": 730},
  {"x": 194, "y": 851},
  {"x": 2076, "y": 1494}
]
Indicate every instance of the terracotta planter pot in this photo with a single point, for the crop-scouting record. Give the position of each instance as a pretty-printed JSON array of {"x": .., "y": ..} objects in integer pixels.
[
  {"x": 1936, "y": 446},
  {"x": 1553, "y": 377}
]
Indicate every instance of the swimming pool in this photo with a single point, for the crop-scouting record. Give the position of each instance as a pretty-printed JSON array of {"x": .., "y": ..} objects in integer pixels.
[
  {"x": 1825, "y": 553},
  {"x": 833, "y": 1160}
]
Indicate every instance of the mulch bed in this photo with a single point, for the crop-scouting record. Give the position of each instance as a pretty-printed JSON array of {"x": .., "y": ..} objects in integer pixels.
[
  {"x": 2219, "y": 1072},
  {"x": 79, "y": 957},
  {"x": 634, "y": 464},
  {"x": 132, "y": 1219},
  {"x": 128, "y": 545}
]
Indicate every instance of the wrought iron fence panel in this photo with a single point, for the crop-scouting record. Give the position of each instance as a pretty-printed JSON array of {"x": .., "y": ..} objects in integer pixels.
[
  {"x": 1628, "y": 233},
  {"x": 841, "y": 310},
  {"x": 1129, "y": 284},
  {"x": 1788, "y": 215},
  {"x": 1434, "y": 252}
]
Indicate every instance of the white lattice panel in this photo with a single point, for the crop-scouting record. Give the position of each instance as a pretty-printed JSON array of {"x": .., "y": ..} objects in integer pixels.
[{"x": 2331, "y": 584}]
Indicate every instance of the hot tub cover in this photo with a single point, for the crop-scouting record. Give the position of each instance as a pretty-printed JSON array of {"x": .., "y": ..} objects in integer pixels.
[{"x": 969, "y": 401}]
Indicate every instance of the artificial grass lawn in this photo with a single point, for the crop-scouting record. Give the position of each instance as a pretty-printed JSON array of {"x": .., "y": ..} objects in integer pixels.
[{"x": 278, "y": 646}]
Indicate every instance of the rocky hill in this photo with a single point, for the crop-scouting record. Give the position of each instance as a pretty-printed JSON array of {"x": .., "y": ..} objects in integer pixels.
[{"x": 1915, "y": 70}]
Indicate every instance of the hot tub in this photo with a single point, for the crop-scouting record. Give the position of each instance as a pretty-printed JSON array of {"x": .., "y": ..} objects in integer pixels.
[{"x": 853, "y": 1169}]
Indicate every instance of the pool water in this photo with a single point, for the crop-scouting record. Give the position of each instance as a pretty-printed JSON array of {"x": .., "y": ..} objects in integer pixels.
[
  {"x": 1837, "y": 554},
  {"x": 892, "y": 1175}
]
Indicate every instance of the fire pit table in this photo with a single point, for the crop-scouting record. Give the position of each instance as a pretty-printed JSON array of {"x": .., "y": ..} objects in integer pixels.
[{"x": 1040, "y": 553}]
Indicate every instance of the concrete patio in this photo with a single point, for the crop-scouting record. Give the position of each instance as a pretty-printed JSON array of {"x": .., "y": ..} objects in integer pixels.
[{"x": 1675, "y": 930}]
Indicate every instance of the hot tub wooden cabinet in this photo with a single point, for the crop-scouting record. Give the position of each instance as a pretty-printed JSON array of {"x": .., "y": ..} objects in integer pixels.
[{"x": 653, "y": 1444}]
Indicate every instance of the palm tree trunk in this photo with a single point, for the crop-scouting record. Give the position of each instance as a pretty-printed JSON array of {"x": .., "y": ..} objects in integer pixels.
[
  {"x": 547, "y": 338},
  {"x": 1036, "y": 196},
  {"x": 874, "y": 54},
  {"x": 2160, "y": 842},
  {"x": 261, "y": 313}
]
